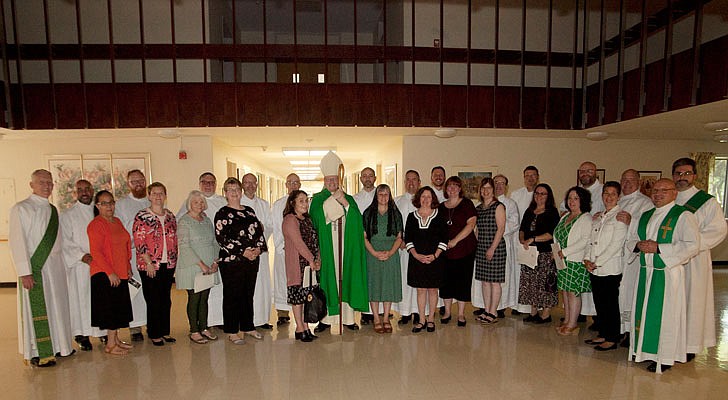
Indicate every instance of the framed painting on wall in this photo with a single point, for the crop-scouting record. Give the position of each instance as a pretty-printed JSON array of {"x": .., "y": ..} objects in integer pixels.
[
  {"x": 121, "y": 164},
  {"x": 66, "y": 171},
  {"x": 601, "y": 175},
  {"x": 647, "y": 181},
  {"x": 471, "y": 177},
  {"x": 390, "y": 178}
]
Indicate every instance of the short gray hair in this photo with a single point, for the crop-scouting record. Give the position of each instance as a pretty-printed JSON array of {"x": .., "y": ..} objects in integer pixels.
[{"x": 195, "y": 194}]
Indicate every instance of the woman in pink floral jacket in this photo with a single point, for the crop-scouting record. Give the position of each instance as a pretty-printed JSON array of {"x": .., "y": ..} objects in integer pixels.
[{"x": 155, "y": 240}]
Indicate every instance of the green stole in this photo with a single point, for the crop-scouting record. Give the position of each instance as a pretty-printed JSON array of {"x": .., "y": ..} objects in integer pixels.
[
  {"x": 354, "y": 289},
  {"x": 697, "y": 201},
  {"x": 652, "y": 323},
  {"x": 36, "y": 294}
]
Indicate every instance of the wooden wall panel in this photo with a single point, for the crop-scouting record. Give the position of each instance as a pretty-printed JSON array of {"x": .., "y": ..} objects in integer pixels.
[
  {"x": 480, "y": 107},
  {"x": 592, "y": 105},
  {"x": 100, "y": 105},
  {"x": 611, "y": 101},
  {"x": 654, "y": 87},
  {"x": 714, "y": 73},
  {"x": 220, "y": 104},
  {"x": 252, "y": 104},
  {"x": 681, "y": 79},
  {"x": 70, "y": 106},
  {"x": 398, "y": 103},
  {"x": 132, "y": 107},
  {"x": 281, "y": 104},
  {"x": 162, "y": 100},
  {"x": 39, "y": 106},
  {"x": 426, "y": 108},
  {"x": 17, "y": 107},
  {"x": 534, "y": 108},
  {"x": 507, "y": 106},
  {"x": 342, "y": 104},
  {"x": 312, "y": 105},
  {"x": 559, "y": 108},
  {"x": 631, "y": 94},
  {"x": 454, "y": 106},
  {"x": 369, "y": 109},
  {"x": 191, "y": 98}
]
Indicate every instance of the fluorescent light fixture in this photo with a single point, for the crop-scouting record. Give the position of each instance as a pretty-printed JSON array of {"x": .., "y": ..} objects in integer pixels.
[
  {"x": 305, "y": 162},
  {"x": 306, "y": 152},
  {"x": 308, "y": 177},
  {"x": 310, "y": 169},
  {"x": 446, "y": 133}
]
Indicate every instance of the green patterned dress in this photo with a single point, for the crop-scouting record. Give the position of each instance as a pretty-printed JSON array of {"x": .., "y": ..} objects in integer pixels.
[{"x": 574, "y": 278}]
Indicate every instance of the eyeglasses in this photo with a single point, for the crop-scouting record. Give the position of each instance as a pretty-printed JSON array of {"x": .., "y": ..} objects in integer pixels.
[
  {"x": 684, "y": 173},
  {"x": 584, "y": 171},
  {"x": 293, "y": 182},
  {"x": 106, "y": 203},
  {"x": 208, "y": 182}
]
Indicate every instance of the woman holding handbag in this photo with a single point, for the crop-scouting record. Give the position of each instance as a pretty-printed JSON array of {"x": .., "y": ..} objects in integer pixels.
[{"x": 301, "y": 249}]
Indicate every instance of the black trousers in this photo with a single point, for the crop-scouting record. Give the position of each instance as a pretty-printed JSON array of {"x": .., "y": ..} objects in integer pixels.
[
  {"x": 157, "y": 295},
  {"x": 606, "y": 300},
  {"x": 238, "y": 288}
]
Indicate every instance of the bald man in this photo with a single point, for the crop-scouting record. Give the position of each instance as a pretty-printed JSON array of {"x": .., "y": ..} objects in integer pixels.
[{"x": 665, "y": 238}]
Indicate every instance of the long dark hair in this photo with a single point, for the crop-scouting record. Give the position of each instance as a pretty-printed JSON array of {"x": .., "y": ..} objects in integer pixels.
[
  {"x": 370, "y": 215},
  {"x": 550, "y": 202},
  {"x": 584, "y": 198},
  {"x": 96, "y": 200},
  {"x": 291, "y": 203}
]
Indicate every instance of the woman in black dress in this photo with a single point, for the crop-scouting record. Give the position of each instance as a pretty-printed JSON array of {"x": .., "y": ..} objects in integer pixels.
[
  {"x": 241, "y": 240},
  {"x": 490, "y": 255},
  {"x": 425, "y": 239},
  {"x": 538, "y": 285},
  {"x": 460, "y": 216}
]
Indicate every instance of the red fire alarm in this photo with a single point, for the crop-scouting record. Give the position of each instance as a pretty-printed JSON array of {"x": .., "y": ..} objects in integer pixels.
[{"x": 182, "y": 155}]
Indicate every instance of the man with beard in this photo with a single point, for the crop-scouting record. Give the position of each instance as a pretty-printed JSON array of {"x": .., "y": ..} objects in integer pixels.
[
  {"x": 340, "y": 227},
  {"x": 664, "y": 239},
  {"x": 280, "y": 282},
  {"x": 363, "y": 200},
  {"x": 632, "y": 204},
  {"x": 126, "y": 210},
  {"x": 76, "y": 254},
  {"x": 699, "y": 271},
  {"x": 407, "y": 308},
  {"x": 437, "y": 178},
  {"x": 208, "y": 187},
  {"x": 35, "y": 241},
  {"x": 263, "y": 295}
]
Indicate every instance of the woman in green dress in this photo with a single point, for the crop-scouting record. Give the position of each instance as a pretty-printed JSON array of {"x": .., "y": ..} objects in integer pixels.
[
  {"x": 383, "y": 237},
  {"x": 572, "y": 234},
  {"x": 198, "y": 252}
]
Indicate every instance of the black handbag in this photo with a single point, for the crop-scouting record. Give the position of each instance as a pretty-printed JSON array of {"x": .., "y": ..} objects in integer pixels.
[{"x": 314, "y": 307}]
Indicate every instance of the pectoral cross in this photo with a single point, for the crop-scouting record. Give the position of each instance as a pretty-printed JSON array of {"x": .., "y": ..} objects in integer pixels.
[{"x": 666, "y": 228}]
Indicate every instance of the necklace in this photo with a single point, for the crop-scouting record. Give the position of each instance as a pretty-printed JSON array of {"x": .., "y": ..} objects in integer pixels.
[{"x": 449, "y": 215}]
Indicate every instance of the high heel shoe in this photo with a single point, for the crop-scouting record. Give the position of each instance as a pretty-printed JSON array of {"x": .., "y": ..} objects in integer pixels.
[
  {"x": 462, "y": 323},
  {"x": 445, "y": 321},
  {"x": 430, "y": 327}
]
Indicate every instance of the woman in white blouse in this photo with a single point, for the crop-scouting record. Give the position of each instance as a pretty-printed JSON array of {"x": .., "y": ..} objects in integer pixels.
[
  {"x": 604, "y": 262},
  {"x": 572, "y": 234}
]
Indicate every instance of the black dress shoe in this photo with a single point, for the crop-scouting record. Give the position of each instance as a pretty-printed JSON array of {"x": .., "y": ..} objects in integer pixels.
[
  {"x": 35, "y": 361},
  {"x": 404, "y": 320},
  {"x": 311, "y": 335},
  {"x": 625, "y": 341},
  {"x": 478, "y": 311},
  {"x": 321, "y": 327},
  {"x": 302, "y": 336},
  {"x": 653, "y": 367},
  {"x": 159, "y": 342},
  {"x": 352, "y": 327},
  {"x": 540, "y": 320},
  {"x": 266, "y": 326},
  {"x": 445, "y": 321},
  {"x": 462, "y": 323},
  {"x": 169, "y": 339},
  {"x": 366, "y": 319},
  {"x": 430, "y": 327},
  {"x": 501, "y": 313},
  {"x": 86, "y": 345},
  {"x": 442, "y": 310},
  {"x": 691, "y": 357},
  {"x": 137, "y": 337},
  {"x": 73, "y": 351},
  {"x": 515, "y": 312},
  {"x": 531, "y": 318}
]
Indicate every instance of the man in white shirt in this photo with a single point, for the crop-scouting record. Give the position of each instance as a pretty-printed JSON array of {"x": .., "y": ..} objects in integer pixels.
[
  {"x": 632, "y": 204},
  {"x": 407, "y": 308},
  {"x": 524, "y": 195},
  {"x": 35, "y": 239},
  {"x": 126, "y": 210},
  {"x": 208, "y": 187},
  {"x": 280, "y": 282},
  {"x": 437, "y": 179},
  {"x": 664, "y": 239},
  {"x": 76, "y": 254},
  {"x": 363, "y": 200},
  {"x": 263, "y": 294},
  {"x": 699, "y": 271}
]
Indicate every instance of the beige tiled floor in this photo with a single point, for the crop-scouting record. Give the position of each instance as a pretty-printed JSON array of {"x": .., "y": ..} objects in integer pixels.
[{"x": 510, "y": 360}]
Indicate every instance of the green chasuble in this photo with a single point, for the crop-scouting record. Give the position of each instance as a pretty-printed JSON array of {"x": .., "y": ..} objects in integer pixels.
[
  {"x": 654, "y": 290},
  {"x": 354, "y": 269},
  {"x": 37, "y": 296}
]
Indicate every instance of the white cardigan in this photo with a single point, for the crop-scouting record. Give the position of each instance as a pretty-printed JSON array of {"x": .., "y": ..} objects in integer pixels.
[
  {"x": 578, "y": 238},
  {"x": 607, "y": 243}
]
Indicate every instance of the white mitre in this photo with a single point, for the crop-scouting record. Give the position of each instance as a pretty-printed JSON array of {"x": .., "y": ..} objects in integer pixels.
[{"x": 330, "y": 166}]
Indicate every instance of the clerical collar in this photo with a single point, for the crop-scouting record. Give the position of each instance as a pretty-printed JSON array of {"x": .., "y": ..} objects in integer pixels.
[
  {"x": 666, "y": 206},
  {"x": 39, "y": 199},
  {"x": 596, "y": 182}
]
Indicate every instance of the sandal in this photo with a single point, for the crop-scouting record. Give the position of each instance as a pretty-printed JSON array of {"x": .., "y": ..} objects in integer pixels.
[
  {"x": 124, "y": 345},
  {"x": 255, "y": 335},
  {"x": 597, "y": 340},
  {"x": 566, "y": 331},
  {"x": 209, "y": 335},
  {"x": 486, "y": 318},
  {"x": 235, "y": 339},
  {"x": 378, "y": 327},
  {"x": 387, "y": 327},
  {"x": 197, "y": 338},
  {"x": 115, "y": 350}
]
